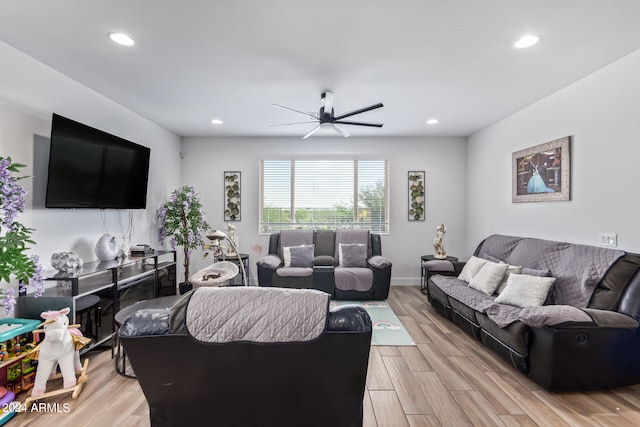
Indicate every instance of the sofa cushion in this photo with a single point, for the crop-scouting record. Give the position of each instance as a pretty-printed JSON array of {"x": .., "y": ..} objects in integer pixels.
[
  {"x": 290, "y": 238},
  {"x": 577, "y": 268},
  {"x": 353, "y": 279},
  {"x": 488, "y": 278},
  {"x": 254, "y": 314},
  {"x": 294, "y": 272},
  {"x": 456, "y": 289},
  {"x": 350, "y": 237},
  {"x": 471, "y": 268},
  {"x": 352, "y": 255},
  {"x": 523, "y": 290},
  {"x": 325, "y": 241}
]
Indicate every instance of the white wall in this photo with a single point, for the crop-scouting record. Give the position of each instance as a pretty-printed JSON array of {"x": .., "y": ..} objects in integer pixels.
[
  {"x": 443, "y": 159},
  {"x": 29, "y": 93},
  {"x": 600, "y": 112}
]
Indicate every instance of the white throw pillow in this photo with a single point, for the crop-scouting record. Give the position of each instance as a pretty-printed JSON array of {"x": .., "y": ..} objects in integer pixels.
[
  {"x": 512, "y": 269},
  {"x": 471, "y": 268},
  {"x": 525, "y": 291},
  {"x": 489, "y": 277}
]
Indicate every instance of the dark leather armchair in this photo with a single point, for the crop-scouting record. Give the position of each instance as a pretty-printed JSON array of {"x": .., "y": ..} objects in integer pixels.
[{"x": 320, "y": 382}]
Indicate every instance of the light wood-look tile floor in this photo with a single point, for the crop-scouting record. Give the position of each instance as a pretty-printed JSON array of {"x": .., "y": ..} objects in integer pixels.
[{"x": 448, "y": 379}]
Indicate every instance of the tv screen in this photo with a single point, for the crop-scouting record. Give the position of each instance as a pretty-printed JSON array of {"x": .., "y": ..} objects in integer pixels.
[{"x": 89, "y": 168}]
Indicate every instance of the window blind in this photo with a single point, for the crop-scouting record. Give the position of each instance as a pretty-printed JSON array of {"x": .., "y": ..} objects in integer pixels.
[{"x": 324, "y": 194}]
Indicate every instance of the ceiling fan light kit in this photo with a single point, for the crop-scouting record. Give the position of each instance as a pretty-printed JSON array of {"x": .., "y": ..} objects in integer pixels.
[{"x": 326, "y": 118}]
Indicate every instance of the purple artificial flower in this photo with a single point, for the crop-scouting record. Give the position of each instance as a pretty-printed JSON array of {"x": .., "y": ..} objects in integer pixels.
[
  {"x": 9, "y": 301},
  {"x": 37, "y": 281}
]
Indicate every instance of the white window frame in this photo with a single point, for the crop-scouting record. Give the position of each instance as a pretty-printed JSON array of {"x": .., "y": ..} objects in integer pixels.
[{"x": 359, "y": 219}]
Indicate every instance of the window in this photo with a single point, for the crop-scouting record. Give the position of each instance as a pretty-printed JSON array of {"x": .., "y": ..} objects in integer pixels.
[{"x": 324, "y": 194}]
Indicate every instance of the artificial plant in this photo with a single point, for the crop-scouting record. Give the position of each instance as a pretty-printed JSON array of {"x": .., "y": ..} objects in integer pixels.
[
  {"x": 182, "y": 221},
  {"x": 14, "y": 238}
]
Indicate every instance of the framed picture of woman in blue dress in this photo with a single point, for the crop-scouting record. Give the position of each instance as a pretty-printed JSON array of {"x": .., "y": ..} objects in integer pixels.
[{"x": 542, "y": 173}]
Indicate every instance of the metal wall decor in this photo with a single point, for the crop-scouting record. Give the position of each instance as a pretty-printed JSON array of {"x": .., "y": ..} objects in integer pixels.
[
  {"x": 232, "y": 196},
  {"x": 416, "y": 196}
]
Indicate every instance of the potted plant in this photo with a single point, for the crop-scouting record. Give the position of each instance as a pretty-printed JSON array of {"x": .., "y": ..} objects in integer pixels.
[
  {"x": 182, "y": 221},
  {"x": 14, "y": 238}
]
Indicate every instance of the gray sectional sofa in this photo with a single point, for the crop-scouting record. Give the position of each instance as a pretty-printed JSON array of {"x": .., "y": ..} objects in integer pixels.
[
  {"x": 347, "y": 264},
  {"x": 582, "y": 334}
]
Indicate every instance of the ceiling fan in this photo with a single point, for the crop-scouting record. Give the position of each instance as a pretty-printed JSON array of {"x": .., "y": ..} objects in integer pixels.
[{"x": 326, "y": 118}]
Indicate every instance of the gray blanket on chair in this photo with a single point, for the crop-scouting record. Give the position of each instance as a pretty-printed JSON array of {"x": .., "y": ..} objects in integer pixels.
[{"x": 265, "y": 315}]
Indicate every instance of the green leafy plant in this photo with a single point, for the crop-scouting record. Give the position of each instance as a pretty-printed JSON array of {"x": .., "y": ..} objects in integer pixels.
[
  {"x": 14, "y": 238},
  {"x": 182, "y": 221}
]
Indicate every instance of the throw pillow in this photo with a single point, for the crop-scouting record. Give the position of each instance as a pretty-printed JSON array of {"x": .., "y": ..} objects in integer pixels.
[
  {"x": 302, "y": 256},
  {"x": 352, "y": 255},
  {"x": 523, "y": 290},
  {"x": 488, "y": 278},
  {"x": 511, "y": 269},
  {"x": 286, "y": 254},
  {"x": 471, "y": 268}
]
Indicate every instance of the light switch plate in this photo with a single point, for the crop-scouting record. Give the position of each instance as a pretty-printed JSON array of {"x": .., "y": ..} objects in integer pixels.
[{"x": 608, "y": 239}]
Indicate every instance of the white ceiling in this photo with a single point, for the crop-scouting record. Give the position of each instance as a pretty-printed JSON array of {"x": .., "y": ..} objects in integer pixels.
[{"x": 232, "y": 59}]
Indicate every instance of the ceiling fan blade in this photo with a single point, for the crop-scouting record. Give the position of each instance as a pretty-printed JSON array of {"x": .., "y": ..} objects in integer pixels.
[
  {"x": 362, "y": 110},
  {"x": 341, "y": 131},
  {"x": 375, "y": 125},
  {"x": 289, "y": 124},
  {"x": 314, "y": 130},
  {"x": 310, "y": 115}
]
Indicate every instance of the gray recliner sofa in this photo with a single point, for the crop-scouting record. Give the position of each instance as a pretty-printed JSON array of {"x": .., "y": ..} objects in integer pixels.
[
  {"x": 348, "y": 264},
  {"x": 584, "y": 335}
]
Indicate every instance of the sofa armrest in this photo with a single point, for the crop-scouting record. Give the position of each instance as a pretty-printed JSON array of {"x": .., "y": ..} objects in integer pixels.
[
  {"x": 611, "y": 319},
  {"x": 150, "y": 321},
  {"x": 271, "y": 262},
  {"x": 379, "y": 262},
  {"x": 323, "y": 261},
  {"x": 348, "y": 318}
]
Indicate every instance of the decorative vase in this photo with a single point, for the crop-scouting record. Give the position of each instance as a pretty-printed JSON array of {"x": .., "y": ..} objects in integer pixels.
[
  {"x": 66, "y": 261},
  {"x": 107, "y": 248}
]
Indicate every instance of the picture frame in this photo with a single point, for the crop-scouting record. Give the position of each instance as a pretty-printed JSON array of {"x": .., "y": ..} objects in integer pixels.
[
  {"x": 542, "y": 173},
  {"x": 416, "y": 185},
  {"x": 232, "y": 190}
]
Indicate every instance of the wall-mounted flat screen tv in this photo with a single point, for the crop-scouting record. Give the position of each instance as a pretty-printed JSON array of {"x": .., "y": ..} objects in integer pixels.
[{"x": 89, "y": 168}]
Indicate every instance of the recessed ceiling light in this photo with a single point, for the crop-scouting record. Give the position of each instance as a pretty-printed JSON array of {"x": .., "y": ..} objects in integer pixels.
[
  {"x": 217, "y": 121},
  {"x": 121, "y": 39},
  {"x": 526, "y": 41},
  {"x": 432, "y": 121}
]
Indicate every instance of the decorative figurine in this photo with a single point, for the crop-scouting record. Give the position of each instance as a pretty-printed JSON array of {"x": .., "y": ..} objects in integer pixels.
[
  {"x": 438, "y": 244},
  {"x": 231, "y": 234}
]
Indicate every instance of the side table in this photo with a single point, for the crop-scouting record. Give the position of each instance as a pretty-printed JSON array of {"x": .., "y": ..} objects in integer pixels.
[
  {"x": 123, "y": 315},
  {"x": 424, "y": 275},
  {"x": 237, "y": 281}
]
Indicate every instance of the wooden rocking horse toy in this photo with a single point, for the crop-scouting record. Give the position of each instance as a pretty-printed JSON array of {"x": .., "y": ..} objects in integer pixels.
[{"x": 59, "y": 348}]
